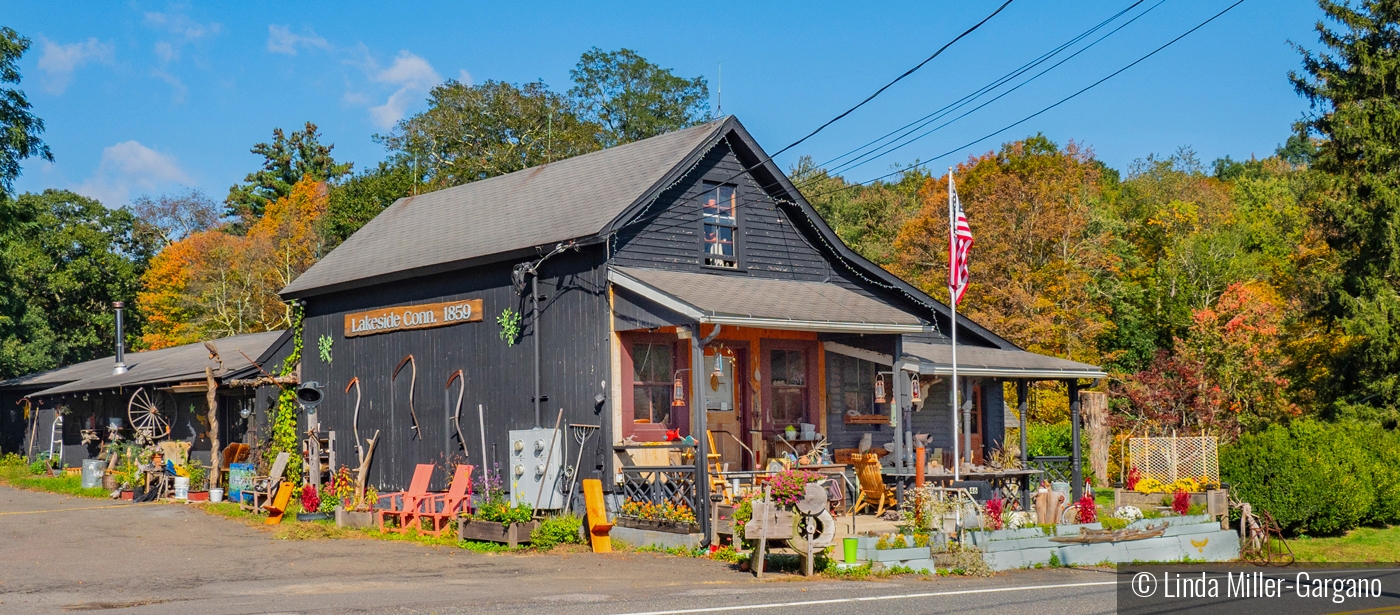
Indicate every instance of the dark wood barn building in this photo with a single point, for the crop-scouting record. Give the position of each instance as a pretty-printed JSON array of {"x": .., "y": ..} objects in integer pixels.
[{"x": 685, "y": 260}]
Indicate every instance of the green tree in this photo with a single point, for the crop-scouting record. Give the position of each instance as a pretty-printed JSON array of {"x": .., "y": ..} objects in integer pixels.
[
  {"x": 286, "y": 161},
  {"x": 356, "y": 200},
  {"x": 472, "y": 132},
  {"x": 65, "y": 262},
  {"x": 633, "y": 99},
  {"x": 19, "y": 128},
  {"x": 1351, "y": 85},
  {"x": 866, "y": 217}
]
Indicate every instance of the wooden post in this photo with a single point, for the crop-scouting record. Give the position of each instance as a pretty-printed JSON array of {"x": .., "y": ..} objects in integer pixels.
[
  {"x": 1095, "y": 410},
  {"x": 211, "y": 397},
  {"x": 763, "y": 533},
  {"x": 920, "y": 458}
]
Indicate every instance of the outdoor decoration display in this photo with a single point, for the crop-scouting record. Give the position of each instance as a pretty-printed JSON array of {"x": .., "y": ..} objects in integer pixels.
[
  {"x": 495, "y": 519},
  {"x": 1048, "y": 504}
]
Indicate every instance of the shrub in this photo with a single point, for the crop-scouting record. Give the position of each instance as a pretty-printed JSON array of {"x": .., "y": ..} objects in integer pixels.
[
  {"x": 1315, "y": 477},
  {"x": 1113, "y": 524},
  {"x": 1181, "y": 502},
  {"x": 560, "y": 530},
  {"x": 12, "y": 459}
]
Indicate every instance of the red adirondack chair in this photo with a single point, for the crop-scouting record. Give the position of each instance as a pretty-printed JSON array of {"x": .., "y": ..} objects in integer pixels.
[
  {"x": 403, "y": 505},
  {"x": 440, "y": 509}
]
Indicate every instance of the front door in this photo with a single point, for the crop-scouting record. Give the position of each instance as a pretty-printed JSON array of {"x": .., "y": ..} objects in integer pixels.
[{"x": 723, "y": 397}]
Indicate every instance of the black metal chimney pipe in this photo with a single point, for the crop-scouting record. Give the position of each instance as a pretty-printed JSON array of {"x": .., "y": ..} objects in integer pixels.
[{"x": 120, "y": 367}]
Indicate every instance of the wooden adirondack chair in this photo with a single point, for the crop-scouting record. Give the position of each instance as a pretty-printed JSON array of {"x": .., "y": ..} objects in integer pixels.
[
  {"x": 264, "y": 487},
  {"x": 440, "y": 509},
  {"x": 403, "y": 505},
  {"x": 873, "y": 490}
]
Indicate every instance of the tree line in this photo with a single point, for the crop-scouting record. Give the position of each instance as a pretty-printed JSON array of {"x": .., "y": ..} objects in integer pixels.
[{"x": 1222, "y": 297}]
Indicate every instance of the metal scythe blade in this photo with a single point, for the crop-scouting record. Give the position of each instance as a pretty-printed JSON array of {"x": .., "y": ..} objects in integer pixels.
[
  {"x": 412, "y": 383},
  {"x": 457, "y": 414},
  {"x": 355, "y": 420}
]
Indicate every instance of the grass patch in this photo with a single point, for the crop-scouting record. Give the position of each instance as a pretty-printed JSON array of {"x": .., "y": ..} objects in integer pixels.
[
  {"x": 1104, "y": 497},
  {"x": 19, "y": 476},
  {"x": 1365, "y": 544}
]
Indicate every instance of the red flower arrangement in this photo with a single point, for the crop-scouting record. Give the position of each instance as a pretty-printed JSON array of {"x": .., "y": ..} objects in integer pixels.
[
  {"x": 994, "y": 508},
  {"x": 1181, "y": 502},
  {"x": 310, "y": 500},
  {"x": 1088, "y": 511},
  {"x": 1134, "y": 476}
]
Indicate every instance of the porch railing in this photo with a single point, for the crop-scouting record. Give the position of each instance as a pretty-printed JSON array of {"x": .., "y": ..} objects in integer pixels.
[
  {"x": 660, "y": 484},
  {"x": 1056, "y": 467}
]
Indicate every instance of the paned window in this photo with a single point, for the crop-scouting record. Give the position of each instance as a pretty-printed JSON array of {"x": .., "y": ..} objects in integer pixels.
[
  {"x": 719, "y": 206},
  {"x": 789, "y": 371},
  {"x": 851, "y": 385},
  {"x": 651, "y": 382}
]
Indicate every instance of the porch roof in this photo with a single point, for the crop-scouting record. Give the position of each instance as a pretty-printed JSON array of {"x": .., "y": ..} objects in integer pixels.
[
  {"x": 175, "y": 364},
  {"x": 937, "y": 359},
  {"x": 744, "y": 301}
]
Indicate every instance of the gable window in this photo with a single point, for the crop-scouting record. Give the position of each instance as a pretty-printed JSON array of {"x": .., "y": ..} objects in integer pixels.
[{"x": 719, "y": 205}]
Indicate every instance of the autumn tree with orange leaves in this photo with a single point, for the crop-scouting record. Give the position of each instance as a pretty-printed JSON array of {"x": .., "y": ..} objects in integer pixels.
[{"x": 212, "y": 284}]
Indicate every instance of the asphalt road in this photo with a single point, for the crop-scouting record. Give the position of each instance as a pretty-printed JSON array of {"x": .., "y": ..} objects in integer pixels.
[{"x": 62, "y": 554}]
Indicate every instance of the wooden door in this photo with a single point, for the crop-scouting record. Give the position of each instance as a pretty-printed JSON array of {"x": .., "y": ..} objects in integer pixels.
[{"x": 723, "y": 401}]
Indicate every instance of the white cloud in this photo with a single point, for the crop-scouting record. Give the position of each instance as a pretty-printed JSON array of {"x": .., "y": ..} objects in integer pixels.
[
  {"x": 181, "y": 31},
  {"x": 59, "y": 61},
  {"x": 464, "y": 77},
  {"x": 129, "y": 166},
  {"x": 280, "y": 39},
  {"x": 413, "y": 76},
  {"x": 182, "y": 27}
]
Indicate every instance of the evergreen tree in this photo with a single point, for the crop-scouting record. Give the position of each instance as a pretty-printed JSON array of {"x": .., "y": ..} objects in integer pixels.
[{"x": 286, "y": 161}]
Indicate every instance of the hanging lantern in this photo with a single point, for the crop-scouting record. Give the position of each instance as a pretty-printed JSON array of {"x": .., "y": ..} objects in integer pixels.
[
  {"x": 879, "y": 389},
  {"x": 914, "y": 394},
  {"x": 678, "y": 394}
]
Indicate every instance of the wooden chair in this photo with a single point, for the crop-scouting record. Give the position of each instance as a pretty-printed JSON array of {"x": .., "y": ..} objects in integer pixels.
[
  {"x": 440, "y": 509},
  {"x": 717, "y": 482},
  {"x": 233, "y": 453},
  {"x": 403, "y": 505},
  {"x": 873, "y": 490},
  {"x": 264, "y": 487}
]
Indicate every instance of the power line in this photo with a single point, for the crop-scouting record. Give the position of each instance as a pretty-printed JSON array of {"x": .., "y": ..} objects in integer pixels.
[
  {"x": 891, "y": 147},
  {"x": 1037, "y": 113},
  {"x": 942, "y": 112},
  {"x": 896, "y": 80}
]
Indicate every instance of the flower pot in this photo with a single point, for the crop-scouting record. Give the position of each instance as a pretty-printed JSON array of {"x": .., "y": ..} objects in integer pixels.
[
  {"x": 216, "y": 495},
  {"x": 315, "y": 516},
  {"x": 199, "y": 496},
  {"x": 109, "y": 482},
  {"x": 354, "y": 518},
  {"x": 128, "y": 495},
  {"x": 495, "y": 531}
]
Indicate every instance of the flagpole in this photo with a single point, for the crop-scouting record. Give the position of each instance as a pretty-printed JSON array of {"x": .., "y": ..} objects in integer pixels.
[{"x": 953, "y": 304}]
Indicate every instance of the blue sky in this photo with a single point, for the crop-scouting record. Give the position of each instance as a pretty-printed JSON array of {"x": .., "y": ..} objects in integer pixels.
[{"x": 145, "y": 98}]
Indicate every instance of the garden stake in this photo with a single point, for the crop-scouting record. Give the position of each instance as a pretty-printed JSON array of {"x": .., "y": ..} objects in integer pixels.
[
  {"x": 549, "y": 457},
  {"x": 763, "y": 532},
  {"x": 485, "y": 471},
  {"x": 412, "y": 383},
  {"x": 457, "y": 414}
]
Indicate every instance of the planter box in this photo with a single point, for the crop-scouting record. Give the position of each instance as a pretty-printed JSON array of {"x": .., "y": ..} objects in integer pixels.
[
  {"x": 109, "y": 482},
  {"x": 347, "y": 518},
  {"x": 1123, "y": 497},
  {"x": 315, "y": 516},
  {"x": 198, "y": 496},
  {"x": 495, "y": 531},
  {"x": 128, "y": 495},
  {"x": 898, "y": 555},
  {"x": 673, "y": 527}
]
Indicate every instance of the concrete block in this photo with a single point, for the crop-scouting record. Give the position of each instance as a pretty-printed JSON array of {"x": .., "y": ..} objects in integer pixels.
[
  {"x": 895, "y": 555},
  {"x": 1022, "y": 558},
  {"x": 651, "y": 538}
]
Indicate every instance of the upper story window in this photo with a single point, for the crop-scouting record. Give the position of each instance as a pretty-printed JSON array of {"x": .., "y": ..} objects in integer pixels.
[{"x": 720, "y": 205}]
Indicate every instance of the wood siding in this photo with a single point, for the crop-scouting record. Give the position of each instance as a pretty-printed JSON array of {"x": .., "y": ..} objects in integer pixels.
[{"x": 574, "y": 366}]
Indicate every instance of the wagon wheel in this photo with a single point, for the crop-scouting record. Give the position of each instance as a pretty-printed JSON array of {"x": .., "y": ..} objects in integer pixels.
[{"x": 147, "y": 411}]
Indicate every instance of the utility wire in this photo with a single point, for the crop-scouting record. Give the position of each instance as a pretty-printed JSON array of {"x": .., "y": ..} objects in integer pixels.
[
  {"x": 953, "y": 106},
  {"x": 896, "y": 80},
  {"x": 892, "y": 147},
  {"x": 1037, "y": 113}
]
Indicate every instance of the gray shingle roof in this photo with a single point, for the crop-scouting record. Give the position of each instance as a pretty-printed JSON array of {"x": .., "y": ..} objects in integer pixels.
[
  {"x": 173, "y": 364},
  {"x": 721, "y": 298},
  {"x": 995, "y": 362},
  {"x": 568, "y": 199}
]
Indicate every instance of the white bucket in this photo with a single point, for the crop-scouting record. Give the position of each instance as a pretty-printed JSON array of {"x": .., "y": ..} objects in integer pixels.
[
  {"x": 216, "y": 495},
  {"x": 182, "y": 487}
]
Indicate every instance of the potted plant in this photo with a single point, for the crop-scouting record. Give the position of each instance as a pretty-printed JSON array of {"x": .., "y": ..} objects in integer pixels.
[
  {"x": 199, "y": 486},
  {"x": 311, "y": 505},
  {"x": 495, "y": 519},
  {"x": 352, "y": 509},
  {"x": 665, "y": 517}
]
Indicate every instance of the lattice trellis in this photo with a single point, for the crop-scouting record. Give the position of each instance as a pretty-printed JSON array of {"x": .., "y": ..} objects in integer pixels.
[{"x": 1170, "y": 458}]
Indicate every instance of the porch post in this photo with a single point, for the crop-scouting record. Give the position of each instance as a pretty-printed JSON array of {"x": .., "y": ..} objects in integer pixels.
[
  {"x": 897, "y": 408},
  {"x": 1023, "y": 408},
  {"x": 700, "y": 419},
  {"x": 1077, "y": 478}
]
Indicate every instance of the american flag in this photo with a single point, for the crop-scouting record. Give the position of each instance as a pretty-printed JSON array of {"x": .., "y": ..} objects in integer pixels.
[{"x": 959, "y": 243}]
